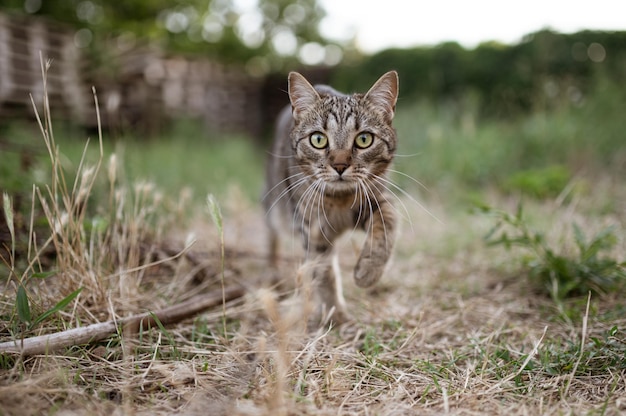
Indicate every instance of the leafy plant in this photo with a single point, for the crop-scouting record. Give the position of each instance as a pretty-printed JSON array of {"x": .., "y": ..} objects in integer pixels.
[
  {"x": 600, "y": 354},
  {"x": 22, "y": 302},
  {"x": 562, "y": 275},
  {"x": 24, "y": 310},
  {"x": 372, "y": 345}
]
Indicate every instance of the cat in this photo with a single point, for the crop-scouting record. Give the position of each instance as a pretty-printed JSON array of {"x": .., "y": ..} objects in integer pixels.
[{"x": 326, "y": 174}]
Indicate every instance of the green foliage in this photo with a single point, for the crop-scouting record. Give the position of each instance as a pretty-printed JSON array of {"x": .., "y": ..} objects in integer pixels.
[
  {"x": 543, "y": 71},
  {"x": 221, "y": 28},
  {"x": 62, "y": 304},
  {"x": 12, "y": 177},
  {"x": 449, "y": 144},
  {"x": 22, "y": 305},
  {"x": 185, "y": 157},
  {"x": 8, "y": 216},
  {"x": 371, "y": 346},
  {"x": 168, "y": 335},
  {"x": 597, "y": 356},
  {"x": 22, "y": 301},
  {"x": 561, "y": 275},
  {"x": 540, "y": 183}
]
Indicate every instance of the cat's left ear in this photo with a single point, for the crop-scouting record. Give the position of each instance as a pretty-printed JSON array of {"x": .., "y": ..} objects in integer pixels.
[{"x": 384, "y": 93}]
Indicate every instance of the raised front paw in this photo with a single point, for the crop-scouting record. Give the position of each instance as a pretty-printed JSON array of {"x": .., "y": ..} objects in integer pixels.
[{"x": 368, "y": 271}]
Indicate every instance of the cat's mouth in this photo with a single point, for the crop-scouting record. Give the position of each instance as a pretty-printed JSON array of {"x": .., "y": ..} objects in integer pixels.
[
  {"x": 340, "y": 185},
  {"x": 339, "y": 179}
]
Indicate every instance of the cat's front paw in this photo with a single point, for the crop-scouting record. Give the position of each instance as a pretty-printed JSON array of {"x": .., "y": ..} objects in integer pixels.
[{"x": 368, "y": 271}]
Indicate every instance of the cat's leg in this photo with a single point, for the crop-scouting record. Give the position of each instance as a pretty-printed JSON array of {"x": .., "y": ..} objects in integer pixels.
[
  {"x": 380, "y": 228},
  {"x": 329, "y": 290},
  {"x": 325, "y": 276},
  {"x": 273, "y": 243}
]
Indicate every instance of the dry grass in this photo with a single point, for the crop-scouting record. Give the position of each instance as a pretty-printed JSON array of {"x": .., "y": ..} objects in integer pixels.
[
  {"x": 454, "y": 327},
  {"x": 448, "y": 331}
]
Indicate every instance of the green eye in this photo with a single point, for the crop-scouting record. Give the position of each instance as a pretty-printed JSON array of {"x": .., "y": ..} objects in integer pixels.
[
  {"x": 318, "y": 140},
  {"x": 364, "y": 140}
]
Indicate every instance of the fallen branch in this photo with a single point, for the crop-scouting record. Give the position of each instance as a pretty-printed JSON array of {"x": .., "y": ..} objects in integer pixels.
[{"x": 93, "y": 333}]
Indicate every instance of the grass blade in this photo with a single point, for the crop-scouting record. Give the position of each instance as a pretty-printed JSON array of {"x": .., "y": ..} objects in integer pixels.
[
  {"x": 23, "y": 307},
  {"x": 8, "y": 214},
  {"x": 216, "y": 213},
  {"x": 56, "y": 308},
  {"x": 43, "y": 275}
]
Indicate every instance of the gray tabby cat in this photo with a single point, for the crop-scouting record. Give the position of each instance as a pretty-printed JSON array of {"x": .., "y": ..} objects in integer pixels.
[{"x": 327, "y": 174}]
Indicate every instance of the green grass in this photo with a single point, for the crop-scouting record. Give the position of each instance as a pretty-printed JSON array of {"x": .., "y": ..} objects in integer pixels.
[
  {"x": 447, "y": 146},
  {"x": 186, "y": 156},
  {"x": 558, "y": 272}
]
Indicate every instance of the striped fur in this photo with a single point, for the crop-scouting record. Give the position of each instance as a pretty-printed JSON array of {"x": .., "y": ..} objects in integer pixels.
[{"x": 325, "y": 178}]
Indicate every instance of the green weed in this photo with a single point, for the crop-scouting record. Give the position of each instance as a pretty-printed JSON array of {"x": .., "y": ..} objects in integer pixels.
[
  {"x": 598, "y": 355},
  {"x": 560, "y": 274},
  {"x": 23, "y": 309},
  {"x": 372, "y": 346}
]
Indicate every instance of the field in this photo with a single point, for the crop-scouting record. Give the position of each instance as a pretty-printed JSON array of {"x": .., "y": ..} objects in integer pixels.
[{"x": 505, "y": 295}]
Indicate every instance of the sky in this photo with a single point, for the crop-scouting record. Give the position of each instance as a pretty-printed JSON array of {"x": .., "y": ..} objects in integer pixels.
[{"x": 381, "y": 24}]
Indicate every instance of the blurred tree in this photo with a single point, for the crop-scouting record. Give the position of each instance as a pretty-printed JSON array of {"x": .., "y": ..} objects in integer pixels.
[
  {"x": 265, "y": 34},
  {"x": 547, "y": 69}
]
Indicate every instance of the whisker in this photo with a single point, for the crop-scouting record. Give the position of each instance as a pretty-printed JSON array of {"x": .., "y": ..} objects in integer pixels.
[
  {"x": 297, "y": 212},
  {"x": 279, "y": 156},
  {"x": 411, "y": 178},
  {"x": 279, "y": 183},
  {"x": 405, "y": 193},
  {"x": 382, "y": 217},
  {"x": 356, "y": 194},
  {"x": 357, "y": 200},
  {"x": 286, "y": 191},
  {"x": 300, "y": 167},
  {"x": 368, "y": 204},
  {"x": 404, "y": 215},
  {"x": 320, "y": 201},
  {"x": 309, "y": 195},
  {"x": 371, "y": 209},
  {"x": 409, "y": 155},
  {"x": 324, "y": 209}
]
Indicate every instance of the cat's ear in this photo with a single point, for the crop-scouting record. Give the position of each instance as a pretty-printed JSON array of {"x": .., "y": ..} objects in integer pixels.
[
  {"x": 301, "y": 93},
  {"x": 384, "y": 93}
]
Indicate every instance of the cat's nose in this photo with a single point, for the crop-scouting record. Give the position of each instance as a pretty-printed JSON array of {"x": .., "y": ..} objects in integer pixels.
[{"x": 340, "y": 167}]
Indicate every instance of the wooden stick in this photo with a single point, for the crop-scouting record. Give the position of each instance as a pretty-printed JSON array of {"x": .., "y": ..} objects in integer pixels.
[{"x": 96, "y": 332}]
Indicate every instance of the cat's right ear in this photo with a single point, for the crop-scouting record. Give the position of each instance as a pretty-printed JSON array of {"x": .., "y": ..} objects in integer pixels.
[{"x": 301, "y": 94}]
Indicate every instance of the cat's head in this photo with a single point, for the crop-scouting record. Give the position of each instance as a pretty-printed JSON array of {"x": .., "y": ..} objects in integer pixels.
[{"x": 343, "y": 140}]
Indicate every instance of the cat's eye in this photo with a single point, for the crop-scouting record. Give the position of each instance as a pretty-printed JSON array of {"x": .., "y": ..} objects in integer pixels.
[
  {"x": 318, "y": 140},
  {"x": 364, "y": 140}
]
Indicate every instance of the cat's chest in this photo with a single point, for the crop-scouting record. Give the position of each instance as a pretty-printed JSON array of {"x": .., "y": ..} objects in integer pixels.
[
  {"x": 339, "y": 208},
  {"x": 346, "y": 210},
  {"x": 346, "y": 201}
]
